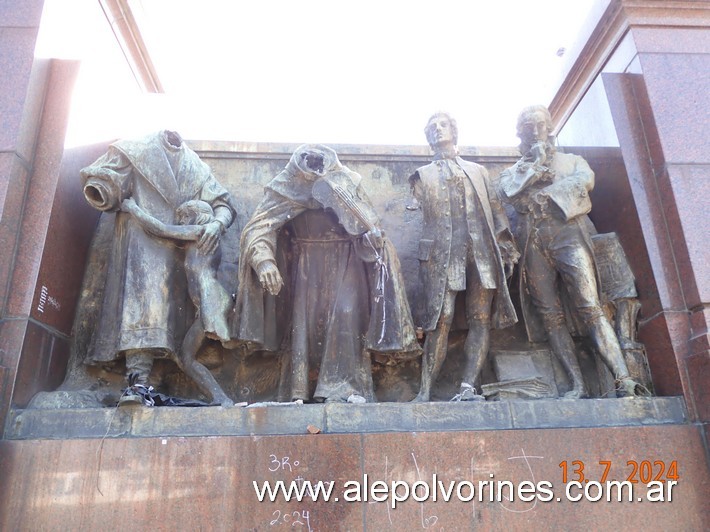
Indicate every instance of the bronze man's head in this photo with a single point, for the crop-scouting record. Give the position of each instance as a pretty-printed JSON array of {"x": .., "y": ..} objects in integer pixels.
[
  {"x": 441, "y": 129},
  {"x": 535, "y": 125}
]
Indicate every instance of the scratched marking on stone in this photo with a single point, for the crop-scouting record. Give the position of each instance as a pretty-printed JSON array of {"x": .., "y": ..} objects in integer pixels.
[
  {"x": 432, "y": 519},
  {"x": 532, "y": 475}
]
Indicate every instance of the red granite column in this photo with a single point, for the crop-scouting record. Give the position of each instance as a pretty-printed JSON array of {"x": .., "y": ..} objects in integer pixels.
[
  {"x": 662, "y": 117},
  {"x": 18, "y": 119},
  {"x": 675, "y": 62},
  {"x": 33, "y": 116},
  {"x": 664, "y": 321}
]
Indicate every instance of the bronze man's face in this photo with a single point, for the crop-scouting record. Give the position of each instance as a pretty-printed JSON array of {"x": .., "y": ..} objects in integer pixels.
[
  {"x": 535, "y": 128},
  {"x": 441, "y": 133}
]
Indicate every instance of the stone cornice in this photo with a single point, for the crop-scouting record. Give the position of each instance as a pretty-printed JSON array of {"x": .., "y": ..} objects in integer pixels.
[
  {"x": 346, "y": 152},
  {"x": 619, "y": 17}
]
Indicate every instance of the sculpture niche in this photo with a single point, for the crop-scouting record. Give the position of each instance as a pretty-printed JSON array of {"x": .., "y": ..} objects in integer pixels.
[
  {"x": 466, "y": 249},
  {"x": 320, "y": 283},
  {"x": 549, "y": 192},
  {"x": 156, "y": 266}
]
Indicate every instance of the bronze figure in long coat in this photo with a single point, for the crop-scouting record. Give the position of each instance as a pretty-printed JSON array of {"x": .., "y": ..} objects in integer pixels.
[
  {"x": 465, "y": 231},
  {"x": 146, "y": 310},
  {"x": 316, "y": 293},
  {"x": 550, "y": 193}
]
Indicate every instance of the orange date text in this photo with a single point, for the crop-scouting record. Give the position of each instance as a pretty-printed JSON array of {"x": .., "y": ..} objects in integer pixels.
[{"x": 643, "y": 471}]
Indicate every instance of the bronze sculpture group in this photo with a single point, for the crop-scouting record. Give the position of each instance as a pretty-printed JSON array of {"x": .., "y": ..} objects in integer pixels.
[{"x": 320, "y": 283}]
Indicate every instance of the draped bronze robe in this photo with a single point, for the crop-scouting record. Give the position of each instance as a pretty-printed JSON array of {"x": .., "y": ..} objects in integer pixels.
[
  {"x": 145, "y": 304},
  {"x": 327, "y": 319}
]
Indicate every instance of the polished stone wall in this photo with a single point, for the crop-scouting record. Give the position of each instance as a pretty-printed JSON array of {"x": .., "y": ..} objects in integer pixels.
[
  {"x": 205, "y": 483},
  {"x": 33, "y": 114}
]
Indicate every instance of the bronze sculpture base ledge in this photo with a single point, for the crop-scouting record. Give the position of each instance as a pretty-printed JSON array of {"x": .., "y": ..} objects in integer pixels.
[{"x": 146, "y": 422}]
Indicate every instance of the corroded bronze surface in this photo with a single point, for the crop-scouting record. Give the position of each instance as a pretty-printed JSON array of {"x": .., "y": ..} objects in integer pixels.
[
  {"x": 325, "y": 294},
  {"x": 466, "y": 247},
  {"x": 549, "y": 192},
  {"x": 160, "y": 195},
  {"x": 249, "y": 368}
]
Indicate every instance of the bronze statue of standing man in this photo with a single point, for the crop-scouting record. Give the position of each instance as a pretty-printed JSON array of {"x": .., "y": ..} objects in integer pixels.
[
  {"x": 550, "y": 192},
  {"x": 466, "y": 248}
]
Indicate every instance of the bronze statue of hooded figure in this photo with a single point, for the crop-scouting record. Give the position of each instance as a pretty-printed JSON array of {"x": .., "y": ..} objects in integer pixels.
[{"x": 321, "y": 296}]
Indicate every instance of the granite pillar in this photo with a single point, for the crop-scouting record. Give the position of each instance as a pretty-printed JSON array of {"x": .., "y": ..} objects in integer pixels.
[
  {"x": 663, "y": 127},
  {"x": 653, "y": 59},
  {"x": 33, "y": 117},
  {"x": 19, "y": 106},
  {"x": 675, "y": 62}
]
